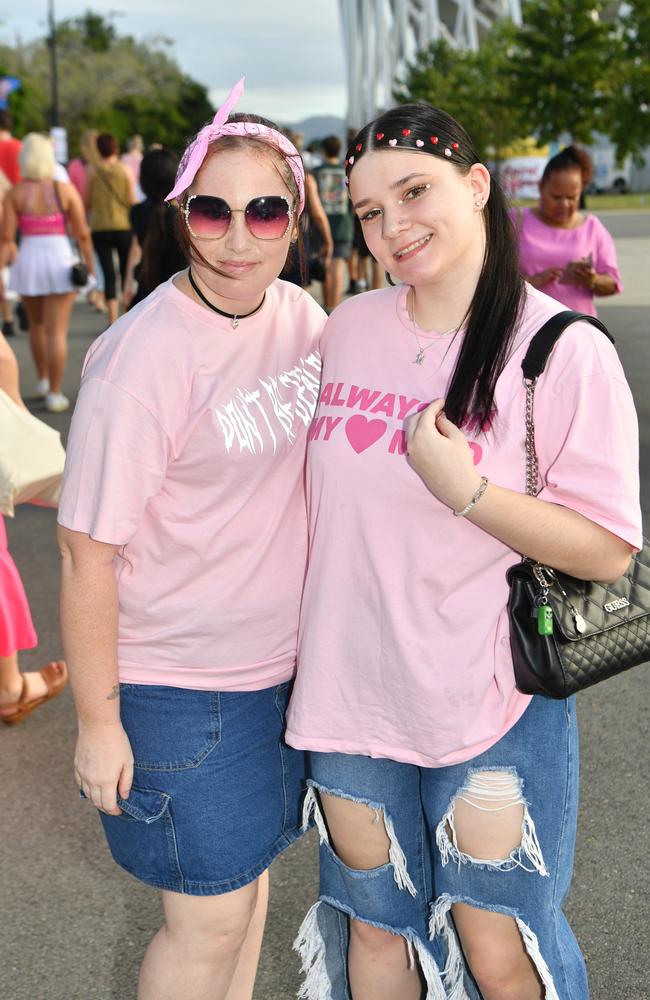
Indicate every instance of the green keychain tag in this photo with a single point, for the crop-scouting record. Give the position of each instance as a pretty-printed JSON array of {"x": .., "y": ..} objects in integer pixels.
[{"x": 545, "y": 620}]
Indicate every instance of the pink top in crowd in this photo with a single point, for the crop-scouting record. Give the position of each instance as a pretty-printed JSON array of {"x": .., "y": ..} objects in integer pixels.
[
  {"x": 77, "y": 174},
  {"x": 42, "y": 225},
  {"x": 404, "y": 643},
  {"x": 187, "y": 450},
  {"x": 542, "y": 246}
]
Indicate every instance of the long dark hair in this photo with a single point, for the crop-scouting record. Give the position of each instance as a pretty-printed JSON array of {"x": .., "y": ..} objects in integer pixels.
[
  {"x": 157, "y": 173},
  {"x": 279, "y": 159},
  {"x": 498, "y": 299}
]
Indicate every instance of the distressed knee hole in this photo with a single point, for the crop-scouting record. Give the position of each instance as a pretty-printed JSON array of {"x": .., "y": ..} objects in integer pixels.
[
  {"x": 488, "y": 824},
  {"x": 360, "y": 833},
  {"x": 491, "y": 968},
  {"x": 315, "y": 939}
]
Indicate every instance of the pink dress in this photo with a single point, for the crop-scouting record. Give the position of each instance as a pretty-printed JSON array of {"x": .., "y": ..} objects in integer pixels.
[
  {"x": 16, "y": 626},
  {"x": 542, "y": 246}
]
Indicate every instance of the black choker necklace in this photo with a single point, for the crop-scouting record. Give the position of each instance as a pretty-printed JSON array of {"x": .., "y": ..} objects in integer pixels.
[{"x": 233, "y": 317}]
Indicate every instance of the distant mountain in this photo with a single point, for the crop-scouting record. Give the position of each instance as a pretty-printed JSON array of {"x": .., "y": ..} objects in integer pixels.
[{"x": 319, "y": 126}]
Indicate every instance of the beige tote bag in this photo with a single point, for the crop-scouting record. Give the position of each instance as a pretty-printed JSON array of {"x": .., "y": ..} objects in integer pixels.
[{"x": 31, "y": 458}]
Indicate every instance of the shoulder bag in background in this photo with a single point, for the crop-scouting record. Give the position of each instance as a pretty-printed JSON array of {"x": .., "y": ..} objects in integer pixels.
[{"x": 31, "y": 458}]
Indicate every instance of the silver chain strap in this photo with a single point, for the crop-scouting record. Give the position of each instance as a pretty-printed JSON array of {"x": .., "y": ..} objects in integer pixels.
[{"x": 532, "y": 463}]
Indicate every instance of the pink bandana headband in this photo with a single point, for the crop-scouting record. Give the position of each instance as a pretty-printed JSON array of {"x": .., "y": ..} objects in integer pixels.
[{"x": 196, "y": 152}]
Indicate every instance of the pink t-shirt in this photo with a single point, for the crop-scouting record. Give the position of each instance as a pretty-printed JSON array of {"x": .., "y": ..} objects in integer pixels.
[
  {"x": 187, "y": 449},
  {"x": 77, "y": 175},
  {"x": 404, "y": 647},
  {"x": 542, "y": 246}
]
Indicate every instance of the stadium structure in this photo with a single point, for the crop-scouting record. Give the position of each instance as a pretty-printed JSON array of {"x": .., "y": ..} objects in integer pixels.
[{"x": 381, "y": 36}]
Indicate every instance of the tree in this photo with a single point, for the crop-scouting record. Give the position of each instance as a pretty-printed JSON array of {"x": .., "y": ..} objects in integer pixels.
[
  {"x": 108, "y": 82},
  {"x": 559, "y": 69},
  {"x": 474, "y": 87},
  {"x": 627, "y": 114}
]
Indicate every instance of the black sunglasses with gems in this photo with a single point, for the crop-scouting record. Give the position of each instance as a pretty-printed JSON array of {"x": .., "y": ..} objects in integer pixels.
[{"x": 209, "y": 218}]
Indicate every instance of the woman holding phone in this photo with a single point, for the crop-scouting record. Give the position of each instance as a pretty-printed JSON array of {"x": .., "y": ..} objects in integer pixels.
[{"x": 564, "y": 252}]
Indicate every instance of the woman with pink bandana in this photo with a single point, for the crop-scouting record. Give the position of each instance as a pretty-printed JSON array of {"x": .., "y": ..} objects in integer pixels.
[{"x": 184, "y": 541}]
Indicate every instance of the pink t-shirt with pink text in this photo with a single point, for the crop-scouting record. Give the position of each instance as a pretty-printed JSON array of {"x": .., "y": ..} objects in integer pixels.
[
  {"x": 404, "y": 645},
  {"x": 187, "y": 450},
  {"x": 542, "y": 246}
]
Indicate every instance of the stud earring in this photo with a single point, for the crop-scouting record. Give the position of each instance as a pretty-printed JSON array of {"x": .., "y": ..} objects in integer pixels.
[{"x": 478, "y": 204}]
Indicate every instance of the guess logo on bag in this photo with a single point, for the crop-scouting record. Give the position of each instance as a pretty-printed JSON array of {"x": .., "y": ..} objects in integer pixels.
[{"x": 622, "y": 602}]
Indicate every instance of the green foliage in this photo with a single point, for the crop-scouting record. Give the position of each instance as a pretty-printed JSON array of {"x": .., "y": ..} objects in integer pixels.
[
  {"x": 574, "y": 67},
  {"x": 474, "y": 87},
  {"x": 627, "y": 115},
  {"x": 97, "y": 32},
  {"x": 108, "y": 82},
  {"x": 559, "y": 69}
]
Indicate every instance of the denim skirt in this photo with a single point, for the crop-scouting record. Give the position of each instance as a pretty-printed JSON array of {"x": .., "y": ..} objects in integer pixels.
[{"x": 216, "y": 794}]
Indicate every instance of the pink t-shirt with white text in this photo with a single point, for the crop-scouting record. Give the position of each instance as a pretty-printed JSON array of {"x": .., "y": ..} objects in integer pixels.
[
  {"x": 404, "y": 645},
  {"x": 542, "y": 246},
  {"x": 187, "y": 449}
]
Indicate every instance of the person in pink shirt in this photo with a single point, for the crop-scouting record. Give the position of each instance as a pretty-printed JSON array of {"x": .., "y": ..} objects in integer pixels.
[
  {"x": 445, "y": 798},
  {"x": 184, "y": 540},
  {"x": 564, "y": 252}
]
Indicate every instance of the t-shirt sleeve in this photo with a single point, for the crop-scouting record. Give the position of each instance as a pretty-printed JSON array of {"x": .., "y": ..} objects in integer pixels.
[
  {"x": 606, "y": 262},
  {"x": 587, "y": 442},
  {"x": 117, "y": 458}
]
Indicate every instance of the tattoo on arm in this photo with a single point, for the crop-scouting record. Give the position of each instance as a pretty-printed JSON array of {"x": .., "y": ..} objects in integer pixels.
[{"x": 115, "y": 693}]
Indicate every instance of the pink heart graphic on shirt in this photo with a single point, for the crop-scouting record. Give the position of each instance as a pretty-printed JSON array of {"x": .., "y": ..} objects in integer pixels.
[
  {"x": 477, "y": 452},
  {"x": 361, "y": 432}
]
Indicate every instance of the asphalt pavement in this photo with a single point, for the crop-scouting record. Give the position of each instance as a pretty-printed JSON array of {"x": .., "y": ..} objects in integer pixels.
[{"x": 73, "y": 926}]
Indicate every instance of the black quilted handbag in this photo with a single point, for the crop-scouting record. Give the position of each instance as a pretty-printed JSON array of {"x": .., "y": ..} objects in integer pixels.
[{"x": 567, "y": 634}]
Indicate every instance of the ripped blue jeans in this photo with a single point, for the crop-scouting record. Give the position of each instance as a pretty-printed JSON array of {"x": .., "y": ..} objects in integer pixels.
[{"x": 535, "y": 767}]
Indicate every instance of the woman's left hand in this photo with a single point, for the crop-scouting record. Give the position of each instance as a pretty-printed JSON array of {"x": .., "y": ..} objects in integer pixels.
[
  {"x": 441, "y": 456},
  {"x": 583, "y": 274}
]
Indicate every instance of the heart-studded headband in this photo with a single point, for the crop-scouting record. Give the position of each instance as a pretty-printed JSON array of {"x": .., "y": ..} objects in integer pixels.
[{"x": 407, "y": 138}]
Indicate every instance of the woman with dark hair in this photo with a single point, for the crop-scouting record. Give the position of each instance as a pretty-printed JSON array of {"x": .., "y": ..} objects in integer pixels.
[
  {"x": 566, "y": 254},
  {"x": 445, "y": 798},
  {"x": 155, "y": 254},
  {"x": 184, "y": 541},
  {"x": 110, "y": 192}
]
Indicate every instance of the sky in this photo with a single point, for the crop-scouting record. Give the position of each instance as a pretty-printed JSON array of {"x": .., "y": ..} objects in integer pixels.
[{"x": 290, "y": 51}]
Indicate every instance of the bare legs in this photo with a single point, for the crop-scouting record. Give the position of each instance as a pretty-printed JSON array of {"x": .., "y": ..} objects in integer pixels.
[
  {"x": 11, "y": 682},
  {"x": 49, "y": 318},
  {"x": 208, "y": 948},
  {"x": 333, "y": 283},
  {"x": 37, "y": 342},
  {"x": 378, "y": 964}
]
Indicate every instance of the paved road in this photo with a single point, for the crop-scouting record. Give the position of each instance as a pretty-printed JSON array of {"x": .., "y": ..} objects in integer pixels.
[{"x": 73, "y": 926}]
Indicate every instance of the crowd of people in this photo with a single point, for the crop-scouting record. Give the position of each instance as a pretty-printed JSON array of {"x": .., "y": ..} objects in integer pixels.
[{"x": 275, "y": 524}]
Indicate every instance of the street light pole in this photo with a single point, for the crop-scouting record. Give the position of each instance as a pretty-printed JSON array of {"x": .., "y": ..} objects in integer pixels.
[{"x": 54, "y": 78}]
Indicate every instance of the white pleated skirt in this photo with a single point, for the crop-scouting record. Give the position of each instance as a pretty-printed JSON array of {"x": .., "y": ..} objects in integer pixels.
[{"x": 43, "y": 266}]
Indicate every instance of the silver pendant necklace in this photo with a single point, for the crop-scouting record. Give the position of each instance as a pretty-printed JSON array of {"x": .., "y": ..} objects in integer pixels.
[
  {"x": 233, "y": 317},
  {"x": 419, "y": 357}
]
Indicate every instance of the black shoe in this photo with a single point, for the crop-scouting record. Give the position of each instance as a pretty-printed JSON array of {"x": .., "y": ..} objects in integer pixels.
[
  {"x": 21, "y": 316},
  {"x": 8, "y": 329}
]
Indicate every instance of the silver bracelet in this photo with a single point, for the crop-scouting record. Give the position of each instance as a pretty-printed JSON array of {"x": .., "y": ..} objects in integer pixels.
[{"x": 475, "y": 499}]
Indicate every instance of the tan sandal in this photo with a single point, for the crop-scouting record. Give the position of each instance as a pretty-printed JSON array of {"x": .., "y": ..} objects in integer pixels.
[{"x": 55, "y": 675}]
